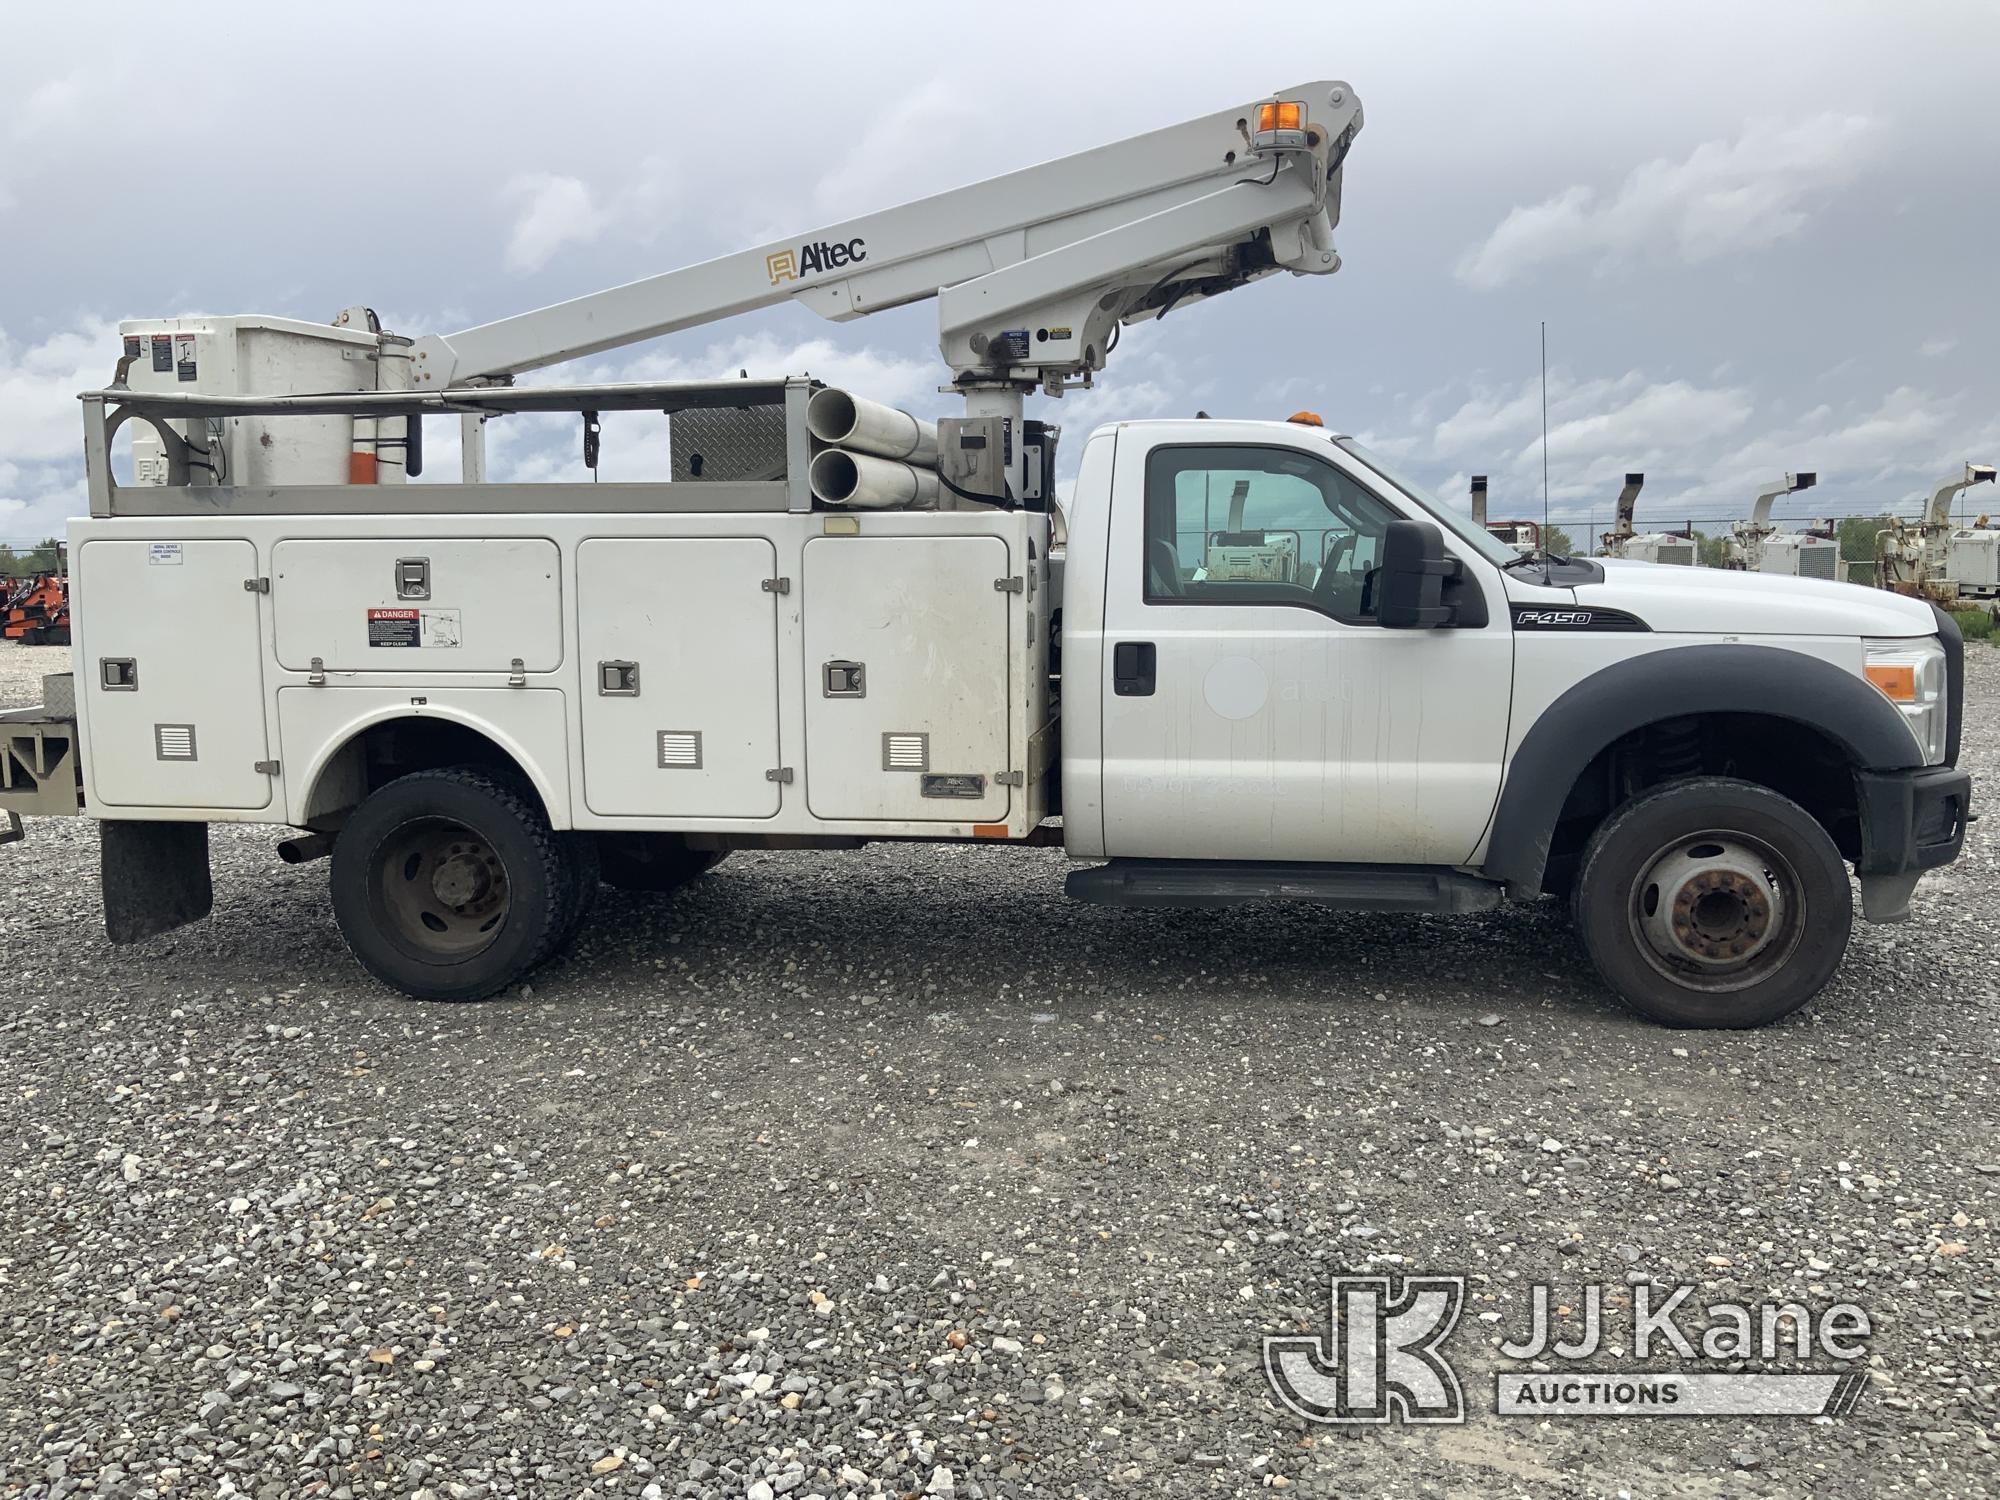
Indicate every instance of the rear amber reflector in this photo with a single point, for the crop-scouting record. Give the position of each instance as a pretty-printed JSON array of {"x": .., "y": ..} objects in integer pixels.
[
  {"x": 989, "y": 830},
  {"x": 1898, "y": 684}
]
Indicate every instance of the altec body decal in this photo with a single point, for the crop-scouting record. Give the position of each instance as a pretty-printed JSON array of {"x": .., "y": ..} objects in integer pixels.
[{"x": 811, "y": 259}]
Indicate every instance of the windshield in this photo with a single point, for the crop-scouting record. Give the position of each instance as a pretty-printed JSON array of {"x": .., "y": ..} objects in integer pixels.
[{"x": 1478, "y": 538}]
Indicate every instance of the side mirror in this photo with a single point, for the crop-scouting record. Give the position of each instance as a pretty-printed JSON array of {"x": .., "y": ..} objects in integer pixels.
[{"x": 1410, "y": 583}]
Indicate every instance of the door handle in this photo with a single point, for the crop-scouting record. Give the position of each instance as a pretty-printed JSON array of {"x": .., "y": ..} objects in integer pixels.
[{"x": 1134, "y": 665}]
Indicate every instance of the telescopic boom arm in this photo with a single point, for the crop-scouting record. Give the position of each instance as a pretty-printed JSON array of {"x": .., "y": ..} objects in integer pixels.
[{"x": 1032, "y": 271}]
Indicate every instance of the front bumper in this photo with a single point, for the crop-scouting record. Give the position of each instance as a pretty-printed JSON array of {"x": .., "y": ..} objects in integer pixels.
[{"x": 1911, "y": 821}]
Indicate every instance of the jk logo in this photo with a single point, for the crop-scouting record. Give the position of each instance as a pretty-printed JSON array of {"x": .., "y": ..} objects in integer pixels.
[{"x": 1378, "y": 1360}]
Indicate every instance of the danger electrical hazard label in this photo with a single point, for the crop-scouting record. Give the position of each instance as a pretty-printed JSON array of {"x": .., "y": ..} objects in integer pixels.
[
  {"x": 436, "y": 628},
  {"x": 394, "y": 627}
]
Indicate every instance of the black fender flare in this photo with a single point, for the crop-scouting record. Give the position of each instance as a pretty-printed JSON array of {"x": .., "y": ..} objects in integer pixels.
[{"x": 1671, "y": 684}]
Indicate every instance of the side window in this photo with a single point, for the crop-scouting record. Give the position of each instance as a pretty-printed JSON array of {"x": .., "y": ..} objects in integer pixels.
[{"x": 1244, "y": 525}]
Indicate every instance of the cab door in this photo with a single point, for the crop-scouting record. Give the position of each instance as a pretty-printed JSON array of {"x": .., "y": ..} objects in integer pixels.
[{"x": 1253, "y": 707}]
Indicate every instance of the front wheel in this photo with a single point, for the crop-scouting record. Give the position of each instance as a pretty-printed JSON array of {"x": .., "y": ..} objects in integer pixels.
[{"x": 1712, "y": 902}]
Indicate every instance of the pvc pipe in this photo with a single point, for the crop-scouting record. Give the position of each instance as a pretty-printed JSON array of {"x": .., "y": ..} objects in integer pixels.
[
  {"x": 864, "y": 426},
  {"x": 869, "y": 483}
]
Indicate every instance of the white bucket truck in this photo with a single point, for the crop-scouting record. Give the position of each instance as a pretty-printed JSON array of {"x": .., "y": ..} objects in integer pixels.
[{"x": 1262, "y": 664}]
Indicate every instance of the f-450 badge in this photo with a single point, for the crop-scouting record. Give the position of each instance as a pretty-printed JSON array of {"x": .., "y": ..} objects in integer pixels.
[{"x": 1574, "y": 617}]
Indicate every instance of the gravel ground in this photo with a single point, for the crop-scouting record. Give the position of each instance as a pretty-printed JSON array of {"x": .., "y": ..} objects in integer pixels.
[{"x": 893, "y": 1172}]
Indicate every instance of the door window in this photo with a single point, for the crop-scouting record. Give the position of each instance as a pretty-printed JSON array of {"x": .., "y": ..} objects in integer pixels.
[{"x": 1246, "y": 525}]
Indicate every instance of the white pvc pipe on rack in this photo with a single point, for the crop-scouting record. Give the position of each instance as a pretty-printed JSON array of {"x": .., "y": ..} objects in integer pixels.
[
  {"x": 866, "y": 482},
  {"x": 854, "y": 422}
]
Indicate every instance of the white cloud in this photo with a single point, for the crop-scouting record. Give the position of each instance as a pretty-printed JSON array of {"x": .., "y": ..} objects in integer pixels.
[
  {"x": 1653, "y": 420},
  {"x": 55, "y": 104},
  {"x": 1885, "y": 445},
  {"x": 1705, "y": 448},
  {"x": 1727, "y": 197},
  {"x": 1937, "y": 346},
  {"x": 39, "y": 382},
  {"x": 551, "y": 213},
  {"x": 913, "y": 138}
]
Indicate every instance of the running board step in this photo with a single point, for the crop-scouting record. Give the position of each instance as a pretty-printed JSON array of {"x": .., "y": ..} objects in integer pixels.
[{"x": 1202, "y": 882}]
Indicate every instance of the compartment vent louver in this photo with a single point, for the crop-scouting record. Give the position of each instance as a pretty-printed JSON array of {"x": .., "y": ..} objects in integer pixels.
[
  {"x": 173, "y": 741},
  {"x": 906, "y": 752},
  {"x": 680, "y": 749}
]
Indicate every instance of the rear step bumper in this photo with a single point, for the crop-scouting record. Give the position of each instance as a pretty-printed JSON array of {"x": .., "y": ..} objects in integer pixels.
[{"x": 1201, "y": 882}]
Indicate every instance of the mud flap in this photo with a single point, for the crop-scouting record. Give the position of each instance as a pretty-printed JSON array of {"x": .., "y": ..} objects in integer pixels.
[{"x": 155, "y": 878}]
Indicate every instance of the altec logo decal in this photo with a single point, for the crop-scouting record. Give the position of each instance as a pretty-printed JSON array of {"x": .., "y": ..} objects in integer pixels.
[{"x": 813, "y": 258}]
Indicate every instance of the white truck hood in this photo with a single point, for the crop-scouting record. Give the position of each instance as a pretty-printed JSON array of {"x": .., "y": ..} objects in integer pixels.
[{"x": 1711, "y": 601}]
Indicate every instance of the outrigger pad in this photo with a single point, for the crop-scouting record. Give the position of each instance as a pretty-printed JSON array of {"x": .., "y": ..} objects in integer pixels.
[{"x": 155, "y": 877}]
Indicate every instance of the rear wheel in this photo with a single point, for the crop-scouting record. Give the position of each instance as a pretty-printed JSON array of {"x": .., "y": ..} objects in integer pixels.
[
  {"x": 450, "y": 885},
  {"x": 653, "y": 861},
  {"x": 1713, "y": 902}
]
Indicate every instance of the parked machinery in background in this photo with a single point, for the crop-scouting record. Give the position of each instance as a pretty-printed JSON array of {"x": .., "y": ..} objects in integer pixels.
[
  {"x": 1932, "y": 559},
  {"x": 1617, "y": 541},
  {"x": 1525, "y": 537},
  {"x": 1675, "y": 548},
  {"x": 36, "y": 611},
  {"x": 1625, "y": 540},
  {"x": 1758, "y": 546}
]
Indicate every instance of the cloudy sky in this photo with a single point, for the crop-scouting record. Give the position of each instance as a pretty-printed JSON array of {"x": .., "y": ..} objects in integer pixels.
[{"x": 1763, "y": 236}]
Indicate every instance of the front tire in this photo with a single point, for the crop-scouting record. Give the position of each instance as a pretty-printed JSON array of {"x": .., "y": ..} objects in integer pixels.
[
  {"x": 450, "y": 885},
  {"x": 1713, "y": 902}
]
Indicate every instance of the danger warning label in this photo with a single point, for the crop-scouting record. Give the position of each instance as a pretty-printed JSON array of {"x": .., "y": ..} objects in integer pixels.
[
  {"x": 394, "y": 627},
  {"x": 435, "y": 628}
]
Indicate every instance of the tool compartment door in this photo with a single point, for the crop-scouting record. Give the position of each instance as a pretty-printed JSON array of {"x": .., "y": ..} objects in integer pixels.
[
  {"x": 678, "y": 639},
  {"x": 922, "y": 737},
  {"x": 420, "y": 604},
  {"x": 171, "y": 666}
]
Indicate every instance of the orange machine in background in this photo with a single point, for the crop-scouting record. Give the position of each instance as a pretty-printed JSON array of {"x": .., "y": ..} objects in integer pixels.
[{"x": 37, "y": 610}]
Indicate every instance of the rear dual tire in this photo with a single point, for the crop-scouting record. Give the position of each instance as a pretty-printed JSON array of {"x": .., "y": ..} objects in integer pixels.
[
  {"x": 450, "y": 884},
  {"x": 1713, "y": 902}
]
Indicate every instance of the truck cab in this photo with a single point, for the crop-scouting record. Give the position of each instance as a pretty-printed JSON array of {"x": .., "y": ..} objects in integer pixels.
[{"x": 1398, "y": 711}]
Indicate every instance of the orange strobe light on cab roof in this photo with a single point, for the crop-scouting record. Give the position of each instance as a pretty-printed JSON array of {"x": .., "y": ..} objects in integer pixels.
[{"x": 1306, "y": 419}]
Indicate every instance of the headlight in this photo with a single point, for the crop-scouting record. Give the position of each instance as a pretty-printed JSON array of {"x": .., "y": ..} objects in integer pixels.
[{"x": 1910, "y": 674}]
